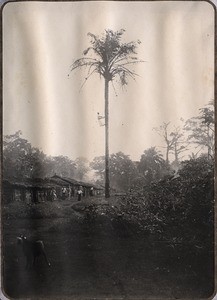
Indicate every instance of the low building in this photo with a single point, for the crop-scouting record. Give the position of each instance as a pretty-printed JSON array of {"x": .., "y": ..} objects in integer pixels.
[
  {"x": 87, "y": 188},
  {"x": 30, "y": 189},
  {"x": 48, "y": 189}
]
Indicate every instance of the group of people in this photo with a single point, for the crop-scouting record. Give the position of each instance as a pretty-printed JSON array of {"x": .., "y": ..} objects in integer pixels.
[{"x": 68, "y": 193}]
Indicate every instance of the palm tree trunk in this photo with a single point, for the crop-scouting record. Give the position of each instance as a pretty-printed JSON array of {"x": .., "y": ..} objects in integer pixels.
[{"x": 107, "y": 182}]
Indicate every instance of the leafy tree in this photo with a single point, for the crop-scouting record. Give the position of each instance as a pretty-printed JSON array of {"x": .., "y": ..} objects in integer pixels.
[
  {"x": 152, "y": 165},
  {"x": 98, "y": 165},
  {"x": 61, "y": 165},
  {"x": 111, "y": 59},
  {"x": 122, "y": 170},
  {"x": 201, "y": 130},
  {"x": 20, "y": 159},
  {"x": 82, "y": 167}
]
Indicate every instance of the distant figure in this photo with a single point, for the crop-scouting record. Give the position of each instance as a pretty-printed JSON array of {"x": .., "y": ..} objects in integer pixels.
[
  {"x": 69, "y": 192},
  {"x": 79, "y": 192},
  {"x": 54, "y": 195},
  {"x": 91, "y": 191},
  {"x": 64, "y": 192}
]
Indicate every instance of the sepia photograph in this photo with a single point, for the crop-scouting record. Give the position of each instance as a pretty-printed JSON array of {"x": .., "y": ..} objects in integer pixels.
[{"x": 108, "y": 144}]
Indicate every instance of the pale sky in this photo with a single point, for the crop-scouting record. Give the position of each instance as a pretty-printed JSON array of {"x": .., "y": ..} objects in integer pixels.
[{"x": 42, "y": 39}]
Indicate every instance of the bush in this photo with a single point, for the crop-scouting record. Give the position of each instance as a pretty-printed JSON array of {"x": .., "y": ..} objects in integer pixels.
[{"x": 178, "y": 208}]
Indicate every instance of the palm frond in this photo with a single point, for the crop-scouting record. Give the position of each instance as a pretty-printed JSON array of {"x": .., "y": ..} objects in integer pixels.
[
  {"x": 111, "y": 56},
  {"x": 86, "y": 78}
]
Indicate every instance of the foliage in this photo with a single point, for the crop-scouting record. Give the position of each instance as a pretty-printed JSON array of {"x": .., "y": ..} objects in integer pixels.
[
  {"x": 21, "y": 160},
  {"x": 178, "y": 208},
  {"x": 201, "y": 130},
  {"x": 111, "y": 58},
  {"x": 61, "y": 165},
  {"x": 122, "y": 171},
  {"x": 126, "y": 174},
  {"x": 82, "y": 167},
  {"x": 98, "y": 165},
  {"x": 152, "y": 165}
]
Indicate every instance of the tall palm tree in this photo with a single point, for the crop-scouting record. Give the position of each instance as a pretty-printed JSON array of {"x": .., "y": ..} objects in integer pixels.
[{"x": 109, "y": 58}]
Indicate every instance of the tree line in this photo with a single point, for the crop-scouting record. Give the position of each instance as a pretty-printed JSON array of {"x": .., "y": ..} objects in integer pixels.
[{"x": 21, "y": 159}]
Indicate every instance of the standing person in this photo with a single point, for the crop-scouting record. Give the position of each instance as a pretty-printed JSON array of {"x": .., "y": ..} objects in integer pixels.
[
  {"x": 79, "y": 192},
  {"x": 63, "y": 192},
  {"x": 91, "y": 191},
  {"x": 70, "y": 192},
  {"x": 54, "y": 195}
]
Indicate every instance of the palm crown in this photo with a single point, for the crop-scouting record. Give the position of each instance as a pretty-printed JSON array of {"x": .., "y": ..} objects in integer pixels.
[{"x": 111, "y": 57}]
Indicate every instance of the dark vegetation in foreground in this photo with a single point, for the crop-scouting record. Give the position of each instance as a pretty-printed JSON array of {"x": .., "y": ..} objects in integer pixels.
[{"x": 152, "y": 244}]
